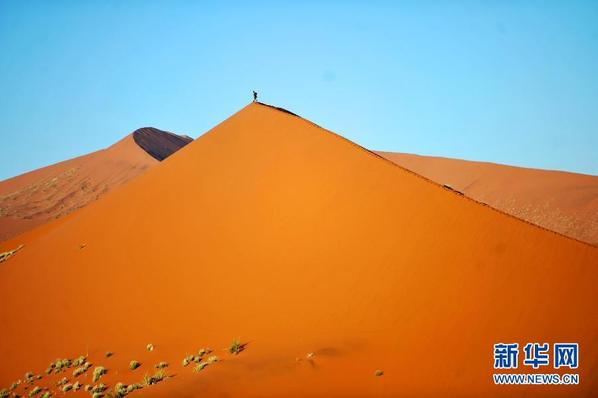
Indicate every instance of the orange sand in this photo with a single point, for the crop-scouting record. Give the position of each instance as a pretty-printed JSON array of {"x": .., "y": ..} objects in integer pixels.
[
  {"x": 271, "y": 229},
  {"x": 563, "y": 202},
  {"x": 33, "y": 198}
]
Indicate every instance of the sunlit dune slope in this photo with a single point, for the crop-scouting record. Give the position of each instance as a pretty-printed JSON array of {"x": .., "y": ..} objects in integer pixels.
[
  {"x": 563, "y": 202},
  {"x": 273, "y": 230},
  {"x": 33, "y": 198}
]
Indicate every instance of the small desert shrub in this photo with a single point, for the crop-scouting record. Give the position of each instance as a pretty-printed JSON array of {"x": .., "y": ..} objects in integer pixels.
[
  {"x": 150, "y": 347},
  {"x": 4, "y": 393},
  {"x": 162, "y": 365},
  {"x": 46, "y": 394},
  {"x": 29, "y": 377},
  {"x": 62, "y": 364},
  {"x": 120, "y": 390},
  {"x": 213, "y": 359},
  {"x": 77, "y": 386},
  {"x": 36, "y": 390},
  {"x": 134, "y": 365},
  {"x": 156, "y": 378},
  {"x": 200, "y": 366},
  {"x": 13, "y": 386},
  {"x": 99, "y": 388},
  {"x": 62, "y": 381},
  {"x": 108, "y": 354},
  {"x": 79, "y": 371},
  {"x": 97, "y": 395},
  {"x": 378, "y": 373},
  {"x": 205, "y": 351},
  {"x": 79, "y": 361},
  {"x": 59, "y": 365},
  {"x": 88, "y": 388},
  {"x": 187, "y": 360},
  {"x": 133, "y": 387},
  {"x": 98, "y": 372},
  {"x": 235, "y": 347},
  {"x": 67, "y": 387}
]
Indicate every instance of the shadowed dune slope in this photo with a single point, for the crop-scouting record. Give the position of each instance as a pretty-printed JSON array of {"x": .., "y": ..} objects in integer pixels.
[
  {"x": 33, "y": 198},
  {"x": 159, "y": 144},
  {"x": 563, "y": 202},
  {"x": 271, "y": 229}
]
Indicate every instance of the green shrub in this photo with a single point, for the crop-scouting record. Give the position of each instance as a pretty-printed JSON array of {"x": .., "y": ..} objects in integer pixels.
[
  {"x": 187, "y": 360},
  {"x": 120, "y": 390},
  {"x": 36, "y": 390},
  {"x": 79, "y": 361},
  {"x": 67, "y": 387},
  {"x": 79, "y": 371},
  {"x": 150, "y": 347},
  {"x": 133, "y": 387},
  {"x": 235, "y": 347},
  {"x": 98, "y": 372},
  {"x": 60, "y": 365},
  {"x": 156, "y": 378},
  {"x": 200, "y": 366},
  {"x": 99, "y": 388},
  {"x": 134, "y": 365},
  {"x": 162, "y": 365}
]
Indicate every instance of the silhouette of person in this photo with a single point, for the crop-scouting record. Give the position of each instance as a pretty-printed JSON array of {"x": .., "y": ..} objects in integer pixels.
[{"x": 254, "y": 96}]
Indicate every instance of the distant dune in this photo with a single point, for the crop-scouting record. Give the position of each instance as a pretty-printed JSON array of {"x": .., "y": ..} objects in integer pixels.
[
  {"x": 563, "y": 202},
  {"x": 331, "y": 263},
  {"x": 33, "y": 198}
]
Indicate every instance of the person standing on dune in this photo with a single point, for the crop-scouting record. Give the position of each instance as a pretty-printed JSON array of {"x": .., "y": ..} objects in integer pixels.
[{"x": 254, "y": 96}]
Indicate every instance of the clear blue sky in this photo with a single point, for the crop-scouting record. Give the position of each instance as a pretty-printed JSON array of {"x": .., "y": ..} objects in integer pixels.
[{"x": 512, "y": 82}]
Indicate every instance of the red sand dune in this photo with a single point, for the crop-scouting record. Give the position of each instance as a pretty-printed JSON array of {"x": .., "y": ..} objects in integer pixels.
[
  {"x": 271, "y": 229},
  {"x": 33, "y": 198},
  {"x": 563, "y": 202}
]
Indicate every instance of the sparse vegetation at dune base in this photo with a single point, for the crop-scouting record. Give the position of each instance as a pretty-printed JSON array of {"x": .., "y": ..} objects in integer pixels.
[
  {"x": 98, "y": 373},
  {"x": 134, "y": 365},
  {"x": 236, "y": 347},
  {"x": 6, "y": 255},
  {"x": 57, "y": 384}
]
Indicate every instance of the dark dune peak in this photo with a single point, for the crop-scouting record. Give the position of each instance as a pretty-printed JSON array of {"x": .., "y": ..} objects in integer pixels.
[{"x": 159, "y": 144}]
